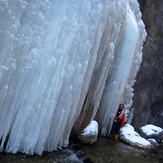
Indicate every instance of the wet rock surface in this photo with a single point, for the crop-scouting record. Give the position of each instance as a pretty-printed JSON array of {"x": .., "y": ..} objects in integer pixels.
[{"x": 104, "y": 150}]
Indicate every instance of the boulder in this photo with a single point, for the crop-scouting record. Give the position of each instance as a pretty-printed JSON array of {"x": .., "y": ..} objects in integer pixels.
[
  {"x": 160, "y": 137},
  {"x": 153, "y": 142},
  {"x": 128, "y": 135},
  {"x": 152, "y": 132},
  {"x": 90, "y": 133}
]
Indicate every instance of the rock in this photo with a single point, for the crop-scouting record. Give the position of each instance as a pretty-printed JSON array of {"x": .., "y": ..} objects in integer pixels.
[
  {"x": 128, "y": 135},
  {"x": 89, "y": 134},
  {"x": 160, "y": 136},
  {"x": 152, "y": 132},
  {"x": 148, "y": 101},
  {"x": 153, "y": 142},
  {"x": 88, "y": 139}
]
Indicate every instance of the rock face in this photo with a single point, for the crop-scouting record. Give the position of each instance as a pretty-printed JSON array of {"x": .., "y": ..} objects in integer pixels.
[{"x": 148, "y": 100}]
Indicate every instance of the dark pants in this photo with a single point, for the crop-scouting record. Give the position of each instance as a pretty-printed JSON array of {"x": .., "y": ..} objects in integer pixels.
[{"x": 115, "y": 128}]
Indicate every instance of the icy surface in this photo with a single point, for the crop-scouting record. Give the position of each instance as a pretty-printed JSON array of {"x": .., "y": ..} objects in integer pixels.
[
  {"x": 130, "y": 116},
  {"x": 56, "y": 56},
  {"x": 92, "y": 129},
  {"x": 151, "y": 129},
  {"x": 126, "y": 64},
  {"x": 69, "y": 157},
  {"x": 128, "y": 135}
]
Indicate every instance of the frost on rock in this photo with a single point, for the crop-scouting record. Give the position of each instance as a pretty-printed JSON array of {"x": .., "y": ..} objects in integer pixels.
[
  {"x": 128, "y": 135},
  {"x": 90, "y": 133}
]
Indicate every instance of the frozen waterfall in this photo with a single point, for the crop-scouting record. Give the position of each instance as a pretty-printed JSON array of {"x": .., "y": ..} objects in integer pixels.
[{"x": 62, "y": 61}]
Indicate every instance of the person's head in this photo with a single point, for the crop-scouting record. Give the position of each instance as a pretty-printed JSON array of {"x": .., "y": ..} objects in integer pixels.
[{"x": 121, "y": 106}]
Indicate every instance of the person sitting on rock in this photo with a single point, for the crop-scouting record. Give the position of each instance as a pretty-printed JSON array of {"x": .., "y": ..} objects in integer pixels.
[{"x": 118, "y": 122}]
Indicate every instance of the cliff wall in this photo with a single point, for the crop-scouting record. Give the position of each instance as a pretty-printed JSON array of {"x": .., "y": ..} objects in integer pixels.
[{"x": 148, "y": 100}]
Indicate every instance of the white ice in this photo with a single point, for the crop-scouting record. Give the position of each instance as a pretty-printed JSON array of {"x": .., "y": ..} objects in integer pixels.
[
  {"x": 58, "y": 57},
  {"x": 122, "y": 76}
]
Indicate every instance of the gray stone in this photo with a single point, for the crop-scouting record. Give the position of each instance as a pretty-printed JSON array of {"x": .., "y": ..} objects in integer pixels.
[
  {"x": 148, "y": 89},
  {"x": 153, "y": 142},
  {"x": 160, "y": 137},
  {"x": 88, "y": 139}
]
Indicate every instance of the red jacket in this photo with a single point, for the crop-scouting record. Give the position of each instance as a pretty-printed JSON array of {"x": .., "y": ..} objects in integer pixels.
[{"x": 122, "y": 119}]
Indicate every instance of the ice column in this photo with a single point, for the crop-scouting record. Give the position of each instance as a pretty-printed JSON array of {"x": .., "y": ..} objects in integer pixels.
[
  {"x": 126, "y": 64},
  {"x": 47, "y": 55},
  {"x": 114, "y": 28}
]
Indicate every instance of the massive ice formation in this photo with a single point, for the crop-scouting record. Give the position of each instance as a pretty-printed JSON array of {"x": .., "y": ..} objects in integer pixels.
[{"x": 60, "y": 59}]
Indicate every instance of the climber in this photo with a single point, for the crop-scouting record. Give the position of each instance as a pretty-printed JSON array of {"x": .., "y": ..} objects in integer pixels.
[{"x": 118, "y": 122}]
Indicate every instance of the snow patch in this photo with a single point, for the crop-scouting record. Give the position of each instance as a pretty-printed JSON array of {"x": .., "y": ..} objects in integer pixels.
[
  {"x": 89, "y": 134},
  {"x": 151, "y": 129},
  {"x": 92, "y": 129},
  {"x": 128, "y": 135}
]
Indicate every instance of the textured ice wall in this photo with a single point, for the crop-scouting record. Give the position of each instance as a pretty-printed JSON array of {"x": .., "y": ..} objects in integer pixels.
[
  {"x": 54, "y": 55},
  {"x": 128, "y": 56}
]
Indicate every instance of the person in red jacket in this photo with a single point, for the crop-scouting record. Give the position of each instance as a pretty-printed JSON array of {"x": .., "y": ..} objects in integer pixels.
[{"x": 118, "y": 122}]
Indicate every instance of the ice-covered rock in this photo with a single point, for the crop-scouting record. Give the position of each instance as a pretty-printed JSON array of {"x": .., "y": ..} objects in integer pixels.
[
  {"x": 89, "y": 134},
  {"x": 153, "y": 142},
  {"x": 128, "y": 135},
  {"x": 151, "y": 131}
]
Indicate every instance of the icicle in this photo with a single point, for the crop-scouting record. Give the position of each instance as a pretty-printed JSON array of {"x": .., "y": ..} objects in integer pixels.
[
  {"x": 120, "y": 81},
  {"x": 58, "y": 58}
]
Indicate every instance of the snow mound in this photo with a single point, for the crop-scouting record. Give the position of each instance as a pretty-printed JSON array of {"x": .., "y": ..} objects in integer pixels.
[
  {"x": 89, "y": 134},
  {"x": 92, "y": 128},
  {"x": 149, "y": 130},
  {"x": 128, "y": 135}
]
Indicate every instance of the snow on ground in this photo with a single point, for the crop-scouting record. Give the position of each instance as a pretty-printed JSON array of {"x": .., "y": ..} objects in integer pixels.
[
  {"x": 92, "y": 129},
  {"x": 151, "y": 129},
  {"x": 128, "y": 135}
]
